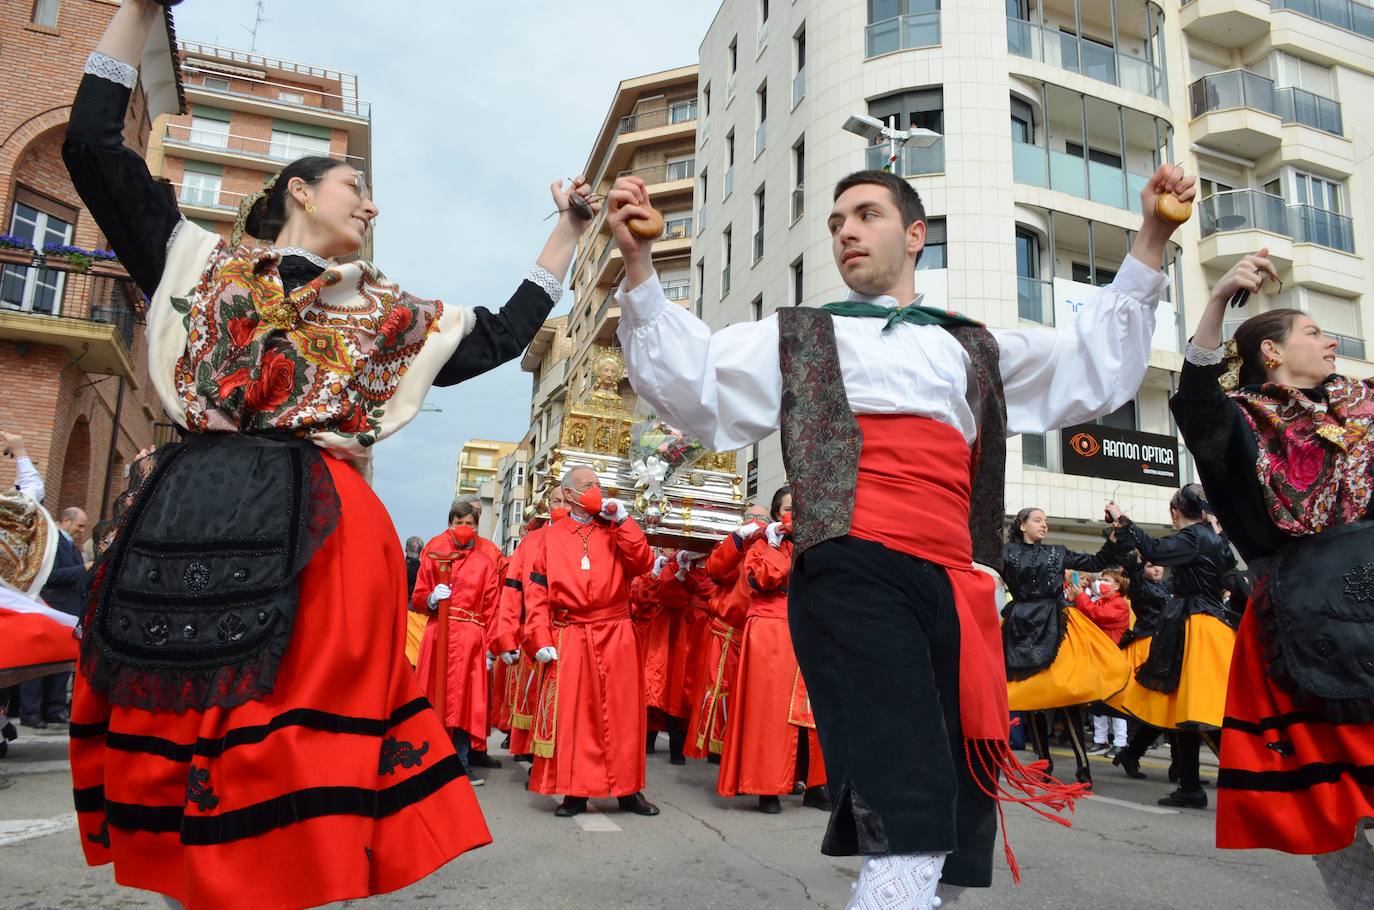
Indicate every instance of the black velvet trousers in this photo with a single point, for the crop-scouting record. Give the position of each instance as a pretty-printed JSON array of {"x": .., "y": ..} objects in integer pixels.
[{"x": 876, "y": 634}]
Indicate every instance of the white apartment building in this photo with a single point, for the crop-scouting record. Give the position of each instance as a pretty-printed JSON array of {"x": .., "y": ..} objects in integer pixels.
[
  {"x": 510, "y": 500},
  {"x": 1053, "y": 115}
]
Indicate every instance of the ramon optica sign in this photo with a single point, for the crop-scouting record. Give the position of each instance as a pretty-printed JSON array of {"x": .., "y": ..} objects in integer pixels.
[{"x": 1092, "y": 450}]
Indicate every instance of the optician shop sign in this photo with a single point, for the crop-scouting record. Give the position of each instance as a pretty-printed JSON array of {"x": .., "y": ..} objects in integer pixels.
[{"x": 1091, "y": 450}]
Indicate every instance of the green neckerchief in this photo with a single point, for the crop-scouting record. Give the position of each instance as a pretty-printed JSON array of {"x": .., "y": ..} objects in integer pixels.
[{"x": 914, "y": 313}]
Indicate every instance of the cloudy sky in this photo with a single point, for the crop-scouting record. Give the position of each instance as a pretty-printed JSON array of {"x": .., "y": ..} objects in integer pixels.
[{"x": 475, "y": 109}]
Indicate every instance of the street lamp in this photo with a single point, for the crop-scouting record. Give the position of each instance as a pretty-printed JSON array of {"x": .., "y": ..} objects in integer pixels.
[{"x": 874, "y": 130}]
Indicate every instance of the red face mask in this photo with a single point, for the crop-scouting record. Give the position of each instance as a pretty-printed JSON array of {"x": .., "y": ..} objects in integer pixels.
[
  {"x": 787, "y": 522},
  {"x": 463, "y": 535},
  {"x": 558, "y": 514},
  {"x": 590, "y": 500}
]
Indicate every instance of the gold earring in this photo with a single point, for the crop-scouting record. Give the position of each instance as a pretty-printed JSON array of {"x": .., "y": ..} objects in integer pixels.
[
  {"x": 310, "y": 209},
  {"x": 1272, "y": 364}
]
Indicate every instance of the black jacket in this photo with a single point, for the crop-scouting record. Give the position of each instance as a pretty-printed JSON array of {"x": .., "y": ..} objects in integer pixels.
[{"x": 66, "y": 586}]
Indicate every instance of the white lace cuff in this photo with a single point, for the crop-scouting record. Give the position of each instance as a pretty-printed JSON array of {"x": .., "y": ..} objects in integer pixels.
[
  {"x": 1203, "y": 357},
  {"x": 546, "y": 280},
  {"x": 107, "y": 67}
]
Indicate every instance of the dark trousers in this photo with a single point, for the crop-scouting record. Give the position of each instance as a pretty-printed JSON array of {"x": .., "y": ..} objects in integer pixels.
[
  {"x": 877, "y": 637},
  {"x": 45, "y": 697}
]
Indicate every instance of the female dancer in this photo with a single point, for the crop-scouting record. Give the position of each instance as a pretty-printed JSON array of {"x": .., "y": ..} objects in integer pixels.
[
  {"x": 1283, "y": 447},
  {"x": 1181, "y": 686},
  {"x": 1149, "y": 595},
  {"x": 244, "y": 712},
  {"x": 1056, "y": 657},
  {"x": 769, "y": 736}
]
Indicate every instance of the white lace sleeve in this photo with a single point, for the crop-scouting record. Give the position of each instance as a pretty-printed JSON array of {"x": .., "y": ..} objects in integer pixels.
[
  {"x": 107, "y": 67},
  {"x": 546, "y": 280},
  {"x": 1203, "y": 357}
]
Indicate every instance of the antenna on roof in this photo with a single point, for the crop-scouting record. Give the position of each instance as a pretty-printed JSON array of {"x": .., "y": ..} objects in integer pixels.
[{"x": 258, "y": 20}]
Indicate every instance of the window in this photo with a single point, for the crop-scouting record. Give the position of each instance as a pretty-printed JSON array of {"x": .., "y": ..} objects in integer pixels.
[
  {"x": 934, "y": 255},
  {"x": 1035, "y": 450},
  {"x": 1339, "y": 318},
  {"x": 763, "y": 25},
  {"x": 758, "y": 223},
  {"x": 676, "y": 283},
  {"x": 682, "y": 111},
  {"x": 200, "y": 189},
  {"x": 1097, "y": 156},
  {"x": 701, "y": 212},
  {"x": 894, "y": 25},
  {"x": 208, "y": 132},
  {"x": 1022, "y": 122},
  {"x": 799, "y": 72},
  {"x": 1123, "y": 418},
  {"x": 483, "y": 461},
  {"x": 705, "y": 113},
  {"x": 291, "y": 98},
  {"x": 679, "y": 169},
  {"x": 1033, "y": 298},
  {"x": 725, "y": 237},
  {"x": 45, "y": 13},
  {"x": 215, "y": 83},
  {"x": 1317, "y": 192},
  {"x": 701, "y": 284},
  {"x": 761, "y": 133},
  {"x": 797, "y": 283},
  {"x": 677, "y": 226},
  {"x": 30, "y": 289},
  {"x": 756, "y": 308},
  {"x": 798, "y": 180},
  {"x": 923, "y": 108},
  {"x": 729, "y": 185},
  {"x": 287, "y": 146},
  {"x": 1098, "y": 277}
]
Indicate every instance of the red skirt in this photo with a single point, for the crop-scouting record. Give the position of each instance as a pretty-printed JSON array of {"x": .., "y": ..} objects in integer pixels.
[
  {"x": 340, "y": 784},
  {"x": 760, "y": 754},
  {"x": 1289, "y": 779}
]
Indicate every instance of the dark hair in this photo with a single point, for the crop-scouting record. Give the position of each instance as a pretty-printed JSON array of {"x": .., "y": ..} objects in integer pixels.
[
  {"x": 461, "y": 510},
  {"x": 903, "y": 194},
  {"x": 1019, "y": 522},
  {"x": 1273, "y": 325},
  {"x": 1190, "y": 502},
  {"x": 777, "y": 502},
  {"x": 103, "y": 528},
  {"x": 268, "y": 215}
]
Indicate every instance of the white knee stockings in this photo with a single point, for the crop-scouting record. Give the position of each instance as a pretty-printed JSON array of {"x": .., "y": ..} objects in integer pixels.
[{"x": 903, "y": 881}]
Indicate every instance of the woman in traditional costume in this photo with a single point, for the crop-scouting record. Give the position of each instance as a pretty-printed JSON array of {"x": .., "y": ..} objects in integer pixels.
[
  {"x": 1283, "y": 448},
  {"x": 246, "y": 731},
  {"x": 1057, "y": 658},
  {"x": 1181, "y": 686},
  {"x": 1149, "y": 594}
]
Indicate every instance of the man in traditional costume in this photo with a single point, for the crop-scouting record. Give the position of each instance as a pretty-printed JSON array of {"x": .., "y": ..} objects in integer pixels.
[
  {"x": 894, "y": 418},
  {"x": 589, "y": 728}
]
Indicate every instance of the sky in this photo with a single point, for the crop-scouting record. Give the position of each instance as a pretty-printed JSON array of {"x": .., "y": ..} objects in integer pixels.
[{"x": 475, "y": 111}]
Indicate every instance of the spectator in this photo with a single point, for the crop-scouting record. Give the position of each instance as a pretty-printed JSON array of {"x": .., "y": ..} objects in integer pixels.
[
  {"x": 414, "y": 544},
  {"x": 43, "y": 701},
  {"x": 1111, "y": 612}
]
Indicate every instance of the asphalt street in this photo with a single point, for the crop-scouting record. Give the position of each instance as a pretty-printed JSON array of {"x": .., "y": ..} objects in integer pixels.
[{"x": 1123, "y": 851}]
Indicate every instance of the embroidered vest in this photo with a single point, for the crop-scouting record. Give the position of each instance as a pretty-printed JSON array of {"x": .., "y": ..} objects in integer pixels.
[{"x": 821, "y": 439}]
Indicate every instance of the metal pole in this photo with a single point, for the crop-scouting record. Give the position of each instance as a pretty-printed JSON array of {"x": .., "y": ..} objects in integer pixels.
[{"x": 110, "y": 455}]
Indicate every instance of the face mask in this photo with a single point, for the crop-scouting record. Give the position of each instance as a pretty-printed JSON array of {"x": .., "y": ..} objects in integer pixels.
[
  {"x": 1104, "y": 589},
  {"x": 558, "y": 514},
  {"x": 464, "y": 535},
  {"x": 590, "y": 500}
]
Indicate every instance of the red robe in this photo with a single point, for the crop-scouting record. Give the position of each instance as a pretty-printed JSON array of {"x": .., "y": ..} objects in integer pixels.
[
  {"x": 662, "y": 639},
  {"x": 498, "y": 710},
  {"x": 771, "y": 704},
  {"x": 473, "y": 578},
  {"x": 692, "y": 630},
  {"x": 509, "y": 634},
  {"x": 589, "y": 728},
  {"x": 727, "y": 606}
]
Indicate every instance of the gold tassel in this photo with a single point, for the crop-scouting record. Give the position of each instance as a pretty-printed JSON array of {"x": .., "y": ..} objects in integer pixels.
[{"x": 1230, "y": 380}]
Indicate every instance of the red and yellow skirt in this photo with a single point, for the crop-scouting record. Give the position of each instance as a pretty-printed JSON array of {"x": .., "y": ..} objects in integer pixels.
[
  {"x": 340, "y": 784},
  {"x": 1089, "y": 667}
]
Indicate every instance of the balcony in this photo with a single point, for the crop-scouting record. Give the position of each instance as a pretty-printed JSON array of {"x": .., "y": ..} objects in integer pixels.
[
  {"x": 1302, "y": 107},
  {"x": 602, "y": 310},
  {"x": 1226, "y": 23},
  {"x": 676, "y": 227},
  {"x": 1047, "y": 44},
  {"x": 551, "y": 383},
  {"x": 1235, "y": 111},
  {"x": 656, "y": 175},
  {"x": 1049, "y": 169},
  {"x": 207, "y": 202},
  {"x": 1035, "y": 300},
  {"x": 911, "y": 161},
  {"x": 1347, "y": 15},
  {"x": 1238, "y": 222},
  {"x": 677, "y": 290},
  {"x": 224, "y": 148},
  {"x": 674, "y": 115},
  {"x": 91, "y": 314},
  {"x": 902, "y": 33},
  {"x": 1328, "y": 229}
]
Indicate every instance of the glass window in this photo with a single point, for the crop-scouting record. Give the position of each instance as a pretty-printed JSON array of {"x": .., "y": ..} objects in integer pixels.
[
  {"x": 1123, "y": 418},
  {"x": 290, "y": 146},
  {"x": 1022, "y": 122},
  {"x": 757, "y": 308},
  {"x": 1027, "y": 254},
  {"x": 1034, "y": 450},
  {"x": 209, "y": 133},
  {"x": 45, "y": 13},
  {"x": 797, "y": 283},
  {"x": 200, "y": 189},
  {"x": 934, "y": 255},
  {"x": 682, "y": 112},
  {"x": 679, "y": 169},
  {"x": 35, "y": 290},
  {"x": 215, "y": 83},
  {"x": 1084, "y": 275},
  {"x": 291, "y": 98}
]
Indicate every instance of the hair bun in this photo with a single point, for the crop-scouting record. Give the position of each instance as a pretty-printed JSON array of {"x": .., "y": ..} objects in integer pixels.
[{"x": 253, "y": 224}]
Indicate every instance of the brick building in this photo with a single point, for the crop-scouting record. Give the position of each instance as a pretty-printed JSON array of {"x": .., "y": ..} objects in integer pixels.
[{"x": 72, "y": 355}]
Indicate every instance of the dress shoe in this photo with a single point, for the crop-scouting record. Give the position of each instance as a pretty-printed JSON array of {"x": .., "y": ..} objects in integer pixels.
[
  {"x": 769, "y": 805},
  {"x": 474, "y": 780},
  {"x": 505, "y": 743},
  {"x": 1184, "y": 800},
  {"x": 637, "y": 804},
  {"x": 817, "y": 798},
  {"x": 571, "y": 805},
  {"x": 713, "y": 759},
  {"x": 526, "y": 757},
  {"x": 1084, "y": 776},
  {"x": 1130, "y": 764},
  {"x": 35, "y": 722},
  {"x": 482, "y": 760}
]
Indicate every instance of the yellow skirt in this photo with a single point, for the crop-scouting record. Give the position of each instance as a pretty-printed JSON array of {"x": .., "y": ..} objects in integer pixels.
[
  {"x": 1089, "y": 667},
  {"x": 1135, "y": 653},
  {"x": 1200, "y": 699},
  {"x": 415, "y": 633}
]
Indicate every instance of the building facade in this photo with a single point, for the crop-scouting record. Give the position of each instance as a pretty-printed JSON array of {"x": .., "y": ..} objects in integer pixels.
[
  {"x": 477, "y": 464},
  {"x": 511, "y": 498},
  {"x": 1053, "y": 114},
  {"x": 72, "y": 354},
  {"x": 546, "y": 360},
  {"x": 248, "y": 117}
]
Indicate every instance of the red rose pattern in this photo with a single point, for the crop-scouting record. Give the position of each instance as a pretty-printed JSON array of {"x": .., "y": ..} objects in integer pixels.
[
  {"x": 1304, "y": 464},
  {"x": 274, "y": 385},
  {"x": 235, "y": 380},
  {"x": 241, "y": 330},
  {"x": 355, "y": 421},
  {"x": 395, "y": 324}
]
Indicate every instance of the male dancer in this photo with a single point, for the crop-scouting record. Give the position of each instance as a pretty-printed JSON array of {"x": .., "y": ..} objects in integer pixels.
[{"x": 894, "y": 441}]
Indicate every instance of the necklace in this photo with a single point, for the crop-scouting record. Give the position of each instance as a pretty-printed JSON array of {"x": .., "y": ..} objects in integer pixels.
[
  {"x": 585, "y": 538},
  {"x": 304, "y": 254}
]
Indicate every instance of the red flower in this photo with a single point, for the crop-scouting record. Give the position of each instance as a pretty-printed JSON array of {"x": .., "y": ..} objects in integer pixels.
[
  {"x": 241, "y": 330},
  {"x": 355, "y": 421},
  {"x": 1304, "y": 464},
  {"x": 395, "y": 323},
  {"x": 233, "y": 381},
  {"x": 274, "y": 385}
]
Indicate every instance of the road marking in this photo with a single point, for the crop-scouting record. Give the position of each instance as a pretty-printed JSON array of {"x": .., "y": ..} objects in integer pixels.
[
  {"x": 37, "y": 767},
  {"x": 592, "y": 819},
  {"x": 21, "y": 829},
  {"x": 1125, "y": 804}
]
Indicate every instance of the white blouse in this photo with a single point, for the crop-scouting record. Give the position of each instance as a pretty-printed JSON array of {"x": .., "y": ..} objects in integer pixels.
[{"x": 726, "y": 388}]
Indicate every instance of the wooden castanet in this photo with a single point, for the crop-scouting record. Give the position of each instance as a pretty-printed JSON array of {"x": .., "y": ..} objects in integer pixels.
[
  {"x": 1171, "y": 208},
  {"x": 648, "y": 228}
]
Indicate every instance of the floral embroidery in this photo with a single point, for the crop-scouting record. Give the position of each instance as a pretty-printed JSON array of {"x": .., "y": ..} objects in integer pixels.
[
  {"x": 199, "y": 791},
  {"x": 1359, "y": 583},
  {"x": 399, "y": 752}
]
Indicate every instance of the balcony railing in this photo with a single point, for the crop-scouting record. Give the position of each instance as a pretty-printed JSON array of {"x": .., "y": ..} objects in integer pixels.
[
  {"x": 1347, "y": 346},
  {"x": 1347, "y": 14},
  {"x": 685, "y": 112},
  {"x": 251, "y": 89},
  {"x": 1328, "y": 229},
  {"x": 265, "y": 149},
  {"x": 56, "y": 290},
  {"x": 1105, "y": 64},
  {"x": 664, "y": 173},
  {"x": 677, "y": 228},
  {"x": 1243, "y": 89},
  {"x": 1243, "y": 210},
  {"x": 677, "y": 290},
  {"x": 902, "y": 33},
  {"x": 208, "y": 197},
  {"x": 1297, "y": 105},
  {"x": 604, "y": 308},
  {"x": 1055, "y": 170},
  {"x": 1035, "y": 300},
  {"x": 911, "y": 161}
]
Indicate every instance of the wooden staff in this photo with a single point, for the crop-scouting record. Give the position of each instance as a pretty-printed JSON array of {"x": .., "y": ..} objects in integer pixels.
[{"x": 439, "y": 672}]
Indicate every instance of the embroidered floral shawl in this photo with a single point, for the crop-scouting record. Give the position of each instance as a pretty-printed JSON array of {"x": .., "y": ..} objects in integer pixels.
[
  {"x": 1314, "y": 455},
  {"x": 345, "y": 359}
]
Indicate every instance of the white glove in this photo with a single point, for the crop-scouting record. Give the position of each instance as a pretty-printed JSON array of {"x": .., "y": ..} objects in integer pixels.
[
  {"x": 509, "y": 657},
  {"x": 614, "y": 510},
  {"x": 775, "y": 534},
  {"x": 491, "y": 660},
  {"x": 544, "y": 655},
  {"x": 440, "y": 592},
  {"x": 746, "y": 531},
  {"x": 658, "y": 565},
  {"x": 684, "y": 557}
]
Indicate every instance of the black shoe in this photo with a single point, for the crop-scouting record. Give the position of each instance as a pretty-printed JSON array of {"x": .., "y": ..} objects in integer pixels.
[
  {"x": 1184, "y": 800},
  {"x": 35, "y": 722},
  {"x": 817, "y": 798},
  {"x": 637, "y": 804},
  {"x": 1130, "y": 764},
  {"x": 527, "y": 758},
  {"x": 482, "y": 760},
  {"x": 571, "y": 805},
  {"x": 8, "y": 732},
  {"x": 62, "y": 718},
  {"x": 1084, "y": 776},
  {"x": 770, "y": 805},
  {"x": 505, "y": 743},
  {"x": 1173, "y": 773},
  {"x": 4, "y": 748}
]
